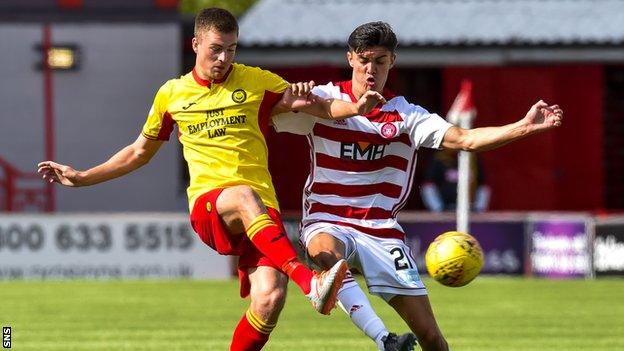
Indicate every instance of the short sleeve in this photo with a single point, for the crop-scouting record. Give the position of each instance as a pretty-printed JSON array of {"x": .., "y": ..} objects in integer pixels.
[
  {"x": 294, "y": 122},
  {"x": 427, "y": 129},
  {"x": 159, "y": 123},
  {"x": 323, "y": 91},
  {"x": 272, "y": 88},
  {"x": 272, "y": 82}
]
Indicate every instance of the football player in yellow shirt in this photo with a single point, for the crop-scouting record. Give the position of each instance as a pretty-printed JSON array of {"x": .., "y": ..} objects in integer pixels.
[{"x": 223, "y": 110}]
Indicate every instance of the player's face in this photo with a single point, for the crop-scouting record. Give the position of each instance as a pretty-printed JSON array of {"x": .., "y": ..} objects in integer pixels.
[
  {"x": 370, "y": 69},
  {"x": 215, "y": 53}
]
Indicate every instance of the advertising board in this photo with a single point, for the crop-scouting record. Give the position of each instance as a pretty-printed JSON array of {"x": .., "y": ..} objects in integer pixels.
[
  {"x": 105, "y": 246},
  {"x": 560, "y": 246},
  {"x": 502, "y": 242},
  {"x": 609, "y": 248}
]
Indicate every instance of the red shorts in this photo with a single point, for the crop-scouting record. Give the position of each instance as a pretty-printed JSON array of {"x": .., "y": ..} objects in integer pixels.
[{"x": 208, "y": 225}]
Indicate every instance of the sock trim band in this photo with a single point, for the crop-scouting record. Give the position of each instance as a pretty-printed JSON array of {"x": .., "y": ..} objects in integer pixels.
[
  {"x": 258, "y": 324},
  {"x": 261, "y": 222}
]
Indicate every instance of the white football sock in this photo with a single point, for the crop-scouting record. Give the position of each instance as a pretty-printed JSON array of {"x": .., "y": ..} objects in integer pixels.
[{"x": 354, "y": 302}]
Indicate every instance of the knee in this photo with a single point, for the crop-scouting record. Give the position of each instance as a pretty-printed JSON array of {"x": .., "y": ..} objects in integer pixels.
[
  {"x": 326, "y": 258},
  {"x": 245, "y": 199},
  {"x": 269, "y": 302},
  {"x": 433, "y": 340},
  {"x": 244, "y": 193},
  {"x": 325, "y": 250}
]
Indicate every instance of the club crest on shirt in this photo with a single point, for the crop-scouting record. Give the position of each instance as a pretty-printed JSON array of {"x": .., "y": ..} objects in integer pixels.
[
  {"x": 239, "y": 96},
  {"x": 388, "y": 130}
]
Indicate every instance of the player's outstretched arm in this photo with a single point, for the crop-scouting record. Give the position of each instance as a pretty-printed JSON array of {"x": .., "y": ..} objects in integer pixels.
[
  {"x": 541, "y": 117},
  {"x": 123, "y": 162},
  {"x": 339, "y": 109},
  {"x": 299, "y": 97}
]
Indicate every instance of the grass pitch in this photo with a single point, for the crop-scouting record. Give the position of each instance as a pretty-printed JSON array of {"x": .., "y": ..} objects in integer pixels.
[{"x": 492, "y": 313}]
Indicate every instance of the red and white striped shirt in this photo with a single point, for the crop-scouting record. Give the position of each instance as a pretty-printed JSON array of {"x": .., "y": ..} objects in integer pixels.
[{"x": 363, "y": 167}]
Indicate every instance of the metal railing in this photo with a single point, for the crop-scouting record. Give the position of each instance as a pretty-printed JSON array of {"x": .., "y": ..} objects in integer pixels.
[{"x": 22, "y": 191}]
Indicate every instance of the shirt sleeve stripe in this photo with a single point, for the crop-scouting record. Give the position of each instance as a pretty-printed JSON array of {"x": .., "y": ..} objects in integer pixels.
[
  {"x": 150, "y": 137},
  {"x": 166, "y": 128},
  {"x": 266, "y": 106}
]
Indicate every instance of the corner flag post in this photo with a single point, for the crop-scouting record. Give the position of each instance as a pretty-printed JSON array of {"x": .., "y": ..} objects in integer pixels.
[{"x": 462, "y": 114}]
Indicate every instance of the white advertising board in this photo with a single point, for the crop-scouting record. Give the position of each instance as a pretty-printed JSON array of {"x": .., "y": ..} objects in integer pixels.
[{"x": 105, "y": 246}]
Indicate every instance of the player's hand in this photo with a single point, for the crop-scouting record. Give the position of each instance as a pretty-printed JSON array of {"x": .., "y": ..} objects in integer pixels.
[
  {"x": 368, "y": 101},
  {"x": 53, "y": 172},
  {"x": 302, "y": 89},
  {"x": 541, "y": 116},
  {"x": 297, "y": 96}
]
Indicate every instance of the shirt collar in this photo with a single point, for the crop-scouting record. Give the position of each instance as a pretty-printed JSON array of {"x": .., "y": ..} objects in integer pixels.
[{"x": 207, "y": 82}]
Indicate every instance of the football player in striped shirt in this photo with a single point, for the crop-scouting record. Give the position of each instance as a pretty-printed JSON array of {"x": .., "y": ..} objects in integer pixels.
[
  {"x": 222, "y": 110},
  {"x": 361, "y": 175}
]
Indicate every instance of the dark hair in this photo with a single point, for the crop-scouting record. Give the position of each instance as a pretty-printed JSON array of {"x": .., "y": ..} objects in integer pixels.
[
  {"x": 372, "y": 34},
  {"x": 215, "y": 18}
]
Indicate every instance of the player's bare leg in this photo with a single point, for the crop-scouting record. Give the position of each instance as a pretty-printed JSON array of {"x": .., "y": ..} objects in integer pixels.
[
  {"x": 326, "y": 250},
  {"x": 242, "y": 211},
  {"x": 417, "y": 313},
  {"x": 268, "y": 295},
  {"x": 238, "y": 206}
]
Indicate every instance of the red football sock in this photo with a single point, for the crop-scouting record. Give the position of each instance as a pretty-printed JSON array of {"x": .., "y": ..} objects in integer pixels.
[
  {"x": 251, "y": 333},
  {"x": 274, "y": 244}
]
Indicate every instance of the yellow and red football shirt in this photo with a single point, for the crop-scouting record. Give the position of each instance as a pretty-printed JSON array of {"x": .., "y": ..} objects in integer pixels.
[{"x": 222, "y": 127}]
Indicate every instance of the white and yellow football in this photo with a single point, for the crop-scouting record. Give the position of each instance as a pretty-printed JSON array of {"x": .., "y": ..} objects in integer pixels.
[{"x": 454, "y": 259}]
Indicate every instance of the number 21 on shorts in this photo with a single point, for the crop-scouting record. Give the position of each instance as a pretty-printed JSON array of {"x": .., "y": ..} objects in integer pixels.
[{"x": 401, "y": 261}]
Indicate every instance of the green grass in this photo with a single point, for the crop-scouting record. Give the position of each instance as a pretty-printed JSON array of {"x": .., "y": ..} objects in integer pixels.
[{"x": 490, "y": 314}]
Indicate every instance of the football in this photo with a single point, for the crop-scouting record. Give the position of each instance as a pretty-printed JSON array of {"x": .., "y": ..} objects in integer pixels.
[{"x": 454, "y": 259}]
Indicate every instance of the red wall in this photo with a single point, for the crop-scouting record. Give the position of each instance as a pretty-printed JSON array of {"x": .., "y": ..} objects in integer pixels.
[{"x": 557, "y": 170}]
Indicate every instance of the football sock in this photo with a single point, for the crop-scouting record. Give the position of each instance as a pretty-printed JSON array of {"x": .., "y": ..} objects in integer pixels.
[
  {"x": 251, "y": 333},
  {"x": 274, "y": 244},
  {"x": 354, "y": 302}
]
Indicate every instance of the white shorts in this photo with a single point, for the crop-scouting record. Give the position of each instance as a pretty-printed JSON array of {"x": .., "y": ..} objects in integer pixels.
[{"x": 387, "y": 264}]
